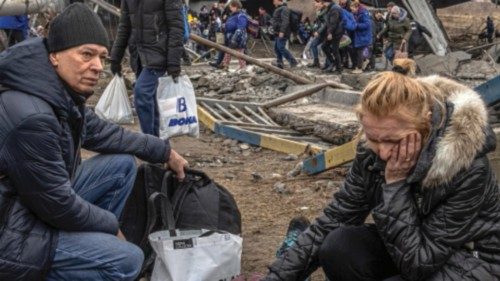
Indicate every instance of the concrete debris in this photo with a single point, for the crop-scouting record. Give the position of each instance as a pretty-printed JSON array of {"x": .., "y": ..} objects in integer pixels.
[
  {"x": 257, "y": 177},
  {"x": 276, "y": 176},
  {"x": 295, "y": 171},
  {"x": 358, "y": 81},
  {"x": 291, "y": 157},
  {"x": 244, "y": 146},
  {"x": 230, "y": 176},
  {"x": 281, "y": 188}
]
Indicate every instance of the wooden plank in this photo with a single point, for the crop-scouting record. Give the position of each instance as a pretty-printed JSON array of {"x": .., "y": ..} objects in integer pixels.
[
  {"x": 205, "y": 118},
  {"x": 286, "y": 146},
  {"x": 330, "y": 159},
  {"x": 295, "y": 96}
]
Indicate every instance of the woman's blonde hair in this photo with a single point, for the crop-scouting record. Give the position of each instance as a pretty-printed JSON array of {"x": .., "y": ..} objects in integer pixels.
[{"x": 395, "y": 94}]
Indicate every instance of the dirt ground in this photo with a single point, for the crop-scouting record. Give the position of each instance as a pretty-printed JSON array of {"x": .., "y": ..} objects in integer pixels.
[
  {"x": 265, "y": 212},
  {"x": 250, "y": 174}
]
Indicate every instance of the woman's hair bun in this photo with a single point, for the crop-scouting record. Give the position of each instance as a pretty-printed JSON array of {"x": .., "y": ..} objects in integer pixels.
[{"x": 405, "y": 66}]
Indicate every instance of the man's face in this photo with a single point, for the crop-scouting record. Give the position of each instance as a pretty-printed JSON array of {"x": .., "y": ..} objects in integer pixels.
[
  {"x": 389, "y": 8},
  {"x": 80, "y": 66},
  {"x": 276, "y": 3},
  {"x": 261, "y": 12}
]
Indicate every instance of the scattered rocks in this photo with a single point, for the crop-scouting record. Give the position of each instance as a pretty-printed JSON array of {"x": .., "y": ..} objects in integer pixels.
[
  {"x": 276, "y": 176},
  {"x": 203, "y": 81},
  {"x": 281, "y": 188},
  {"x": 244, "y": 146},
  {"x": 296, "y": 171},
  {"x": 291, "y": 157},
  {"x": 259, "y": 80},
  {"x": 256, "y": 177},
  {"x": 246, "y": 153},
  {"x": 195, "y": 77},
  {"x": 225, "y": 90},
  {"x": 229, "y": 176}
]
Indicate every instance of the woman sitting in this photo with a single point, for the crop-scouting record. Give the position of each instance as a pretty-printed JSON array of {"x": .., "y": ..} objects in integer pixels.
[
  {"x": 421, "y": 171},
  {"x": 236, "y": 32}
]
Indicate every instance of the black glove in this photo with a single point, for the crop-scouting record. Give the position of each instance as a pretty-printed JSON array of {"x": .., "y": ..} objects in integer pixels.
[
  {"x": 175, "y": 72},
  {"x": 116, "y": 68}
]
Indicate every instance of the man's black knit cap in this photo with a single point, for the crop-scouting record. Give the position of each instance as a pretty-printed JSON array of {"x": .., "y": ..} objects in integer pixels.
[{"x": 75, "y": 26}]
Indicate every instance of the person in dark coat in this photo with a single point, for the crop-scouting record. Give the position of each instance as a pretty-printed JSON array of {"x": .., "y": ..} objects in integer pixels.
[
  {"x": 59, "y": 215},
  {"x": 236, "y": 32},
  {"x": 334, "y": 31},
  {"x": 417, "y": 37},
  {"x": 155, "y": 28},
  {"x": 490, "y": 29},
  {"x": 319, "y": 33},
  {"x": 362, "y": 36},
  {"x": 15, "y": 27},
  {"x": 421, "y": 170},
  {"x": 282, "y": 30},
  {"x": 264, "y": 17}
]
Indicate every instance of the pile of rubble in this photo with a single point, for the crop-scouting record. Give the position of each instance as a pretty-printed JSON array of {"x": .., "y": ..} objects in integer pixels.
[{"x": 253, "y": 84}]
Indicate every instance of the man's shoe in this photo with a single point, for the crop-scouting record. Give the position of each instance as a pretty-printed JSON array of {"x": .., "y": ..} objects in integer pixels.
[
  {"x": 329, "y": 69},
  {"x": 277, "y": 64},
  {"x": 326, "y": 66},
  {"x": 338, "y": 72},
  {"x": 294, "y": 64},
  {"x": 314, "y": 64},
  {"x": 295, "y": 228},
  {"x": 214, "y": 64}
]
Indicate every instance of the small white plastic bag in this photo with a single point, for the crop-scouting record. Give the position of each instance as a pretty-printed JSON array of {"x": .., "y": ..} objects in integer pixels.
[
  {"x": 114, "y": 104},
  {"x": 177, "y": 105}
]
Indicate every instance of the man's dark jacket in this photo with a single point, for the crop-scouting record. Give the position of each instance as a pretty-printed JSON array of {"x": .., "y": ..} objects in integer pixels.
[
  {"x": 155, "y": 29},
  {"x": 281, "y": 20},
  {"x": 333, "y": 21},
  {"x": 41, "y": 131},
  {"x": 440, "y": 224}
]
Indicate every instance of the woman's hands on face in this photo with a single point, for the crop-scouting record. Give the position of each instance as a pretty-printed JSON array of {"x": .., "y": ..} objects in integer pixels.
[{"x": 403, "y": 158}]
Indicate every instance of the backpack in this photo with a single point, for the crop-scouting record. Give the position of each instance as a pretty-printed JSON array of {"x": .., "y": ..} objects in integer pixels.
[
  {"x": 295, "y": 20},
  {"x": 196, "y": 203}
]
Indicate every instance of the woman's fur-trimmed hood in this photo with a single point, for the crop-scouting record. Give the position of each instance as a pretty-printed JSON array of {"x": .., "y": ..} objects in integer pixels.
[{"x": 464, "y": 137}]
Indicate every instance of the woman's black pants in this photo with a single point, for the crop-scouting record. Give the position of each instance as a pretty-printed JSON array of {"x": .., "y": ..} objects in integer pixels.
[{"x": 354, "y": 253}]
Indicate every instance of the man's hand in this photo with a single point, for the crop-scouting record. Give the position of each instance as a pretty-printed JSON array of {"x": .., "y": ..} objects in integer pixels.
[
  {"x": 120, "y": 235},
  {"x": 177, "y": 164},
  {"x": 329, "y": 37},
  {"x": 403, "y": 158},
  {"x": 316, "y": 34},
  {"x": 175, "y": 72},
  {"x": 281, "y": 35},
  {"x": 116, "y": 68}
]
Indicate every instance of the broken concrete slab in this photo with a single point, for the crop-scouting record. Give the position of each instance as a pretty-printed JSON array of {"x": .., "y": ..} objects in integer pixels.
[
  {"x": 433, "y": 64},
  {"x": 358, "y": 81}
]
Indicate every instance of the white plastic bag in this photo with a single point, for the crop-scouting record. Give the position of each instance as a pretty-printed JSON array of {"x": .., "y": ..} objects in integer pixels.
[
  {"x": 114, "y": 104},
  {"x": 196, "y": 255},
  {"x": 177, "y": 105}
]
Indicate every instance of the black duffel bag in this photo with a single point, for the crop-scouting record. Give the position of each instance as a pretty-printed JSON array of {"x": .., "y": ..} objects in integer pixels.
[{"x": 195, "y": 203}]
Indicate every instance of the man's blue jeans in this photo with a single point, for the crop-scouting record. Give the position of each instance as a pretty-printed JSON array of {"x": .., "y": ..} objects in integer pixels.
[
  {"x": 105, "y": 181},
  {"x": 314, "y": 47},
  {"x": 281, "y": 51},
  {"x": 146, "y": 104}
]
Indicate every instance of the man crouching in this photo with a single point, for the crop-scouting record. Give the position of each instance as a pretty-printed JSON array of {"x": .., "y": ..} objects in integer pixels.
[{"x": 58, "y": 219}]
